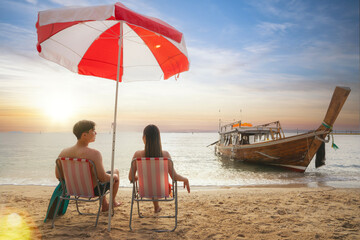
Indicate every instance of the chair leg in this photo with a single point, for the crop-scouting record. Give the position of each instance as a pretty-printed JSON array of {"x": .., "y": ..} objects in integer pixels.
[
  {"x": 132, "y": 206},
  {"x": 176, "y": 211},
  {"x": 131, "y": 212},
  {"x": 97, "y": 218},
  {"x": 138, "y": 207},
  {"x": 77, "y": 207},
  {"x": 176, "y": 205},
  {"x": 55, "y": 213},
  {"x": 141, "y": 216}
]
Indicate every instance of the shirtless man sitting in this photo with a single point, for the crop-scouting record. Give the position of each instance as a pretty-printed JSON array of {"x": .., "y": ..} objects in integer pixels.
[{"x": 85, "y": 133}]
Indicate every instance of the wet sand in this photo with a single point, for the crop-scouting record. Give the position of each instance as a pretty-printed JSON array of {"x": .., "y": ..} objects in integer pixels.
[{"x": 295, "y": 212}]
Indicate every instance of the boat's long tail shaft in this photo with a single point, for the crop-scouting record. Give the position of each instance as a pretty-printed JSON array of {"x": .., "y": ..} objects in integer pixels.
[{"x": 337, "y": 101}]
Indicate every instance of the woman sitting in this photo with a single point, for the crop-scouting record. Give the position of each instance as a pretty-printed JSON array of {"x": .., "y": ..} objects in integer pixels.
[{"x": 152, "y": 141}]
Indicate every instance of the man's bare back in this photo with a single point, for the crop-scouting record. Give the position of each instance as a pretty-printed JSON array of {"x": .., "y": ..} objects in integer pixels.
[
  {"x": 85, "y": 133},
  {"x": 94, "y": 155},
  {"x": 81, "y": 152}
]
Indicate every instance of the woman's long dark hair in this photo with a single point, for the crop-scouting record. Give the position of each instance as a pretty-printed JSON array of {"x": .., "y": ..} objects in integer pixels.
[{"x": 152, "y": 141}]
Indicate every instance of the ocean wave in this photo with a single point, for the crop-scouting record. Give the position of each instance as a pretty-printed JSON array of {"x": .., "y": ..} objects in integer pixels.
[{"x": 346, "y": 166}]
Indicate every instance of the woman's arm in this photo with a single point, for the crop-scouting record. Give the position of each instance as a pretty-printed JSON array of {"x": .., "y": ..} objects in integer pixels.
[
  {"x": 174, "y": 175},
  {"x": 132, "y": 171},
  {"x": 133, "y": 168}
]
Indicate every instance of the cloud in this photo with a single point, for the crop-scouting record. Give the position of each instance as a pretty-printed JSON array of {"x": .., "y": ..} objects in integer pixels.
[
  {"x": 230, "y": 30},
  {"x": 140, "y": 6},
  {"x": 209, "y": 64},
  {"x": 281, "y": 9},
  {"x": 71, "y": 2},
  {"x": 260, "y": 48},
  {"x": 32, "y": 1},
  {"x": 260, "y": 67},
  {"x": 268, "y": 28},
  {"x": 271, "y": 66},
  {"x": 15, "y": 37}
]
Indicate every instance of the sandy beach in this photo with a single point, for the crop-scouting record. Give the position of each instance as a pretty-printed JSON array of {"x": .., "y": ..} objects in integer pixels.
[{"x": 290, "y": 212}]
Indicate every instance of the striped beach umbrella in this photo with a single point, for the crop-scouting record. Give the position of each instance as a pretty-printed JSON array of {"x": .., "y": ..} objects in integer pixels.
[{"x": 112, "y": 42}]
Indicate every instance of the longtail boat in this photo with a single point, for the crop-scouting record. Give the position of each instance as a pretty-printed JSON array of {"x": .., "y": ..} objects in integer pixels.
[{"x": 267, "y": 144}]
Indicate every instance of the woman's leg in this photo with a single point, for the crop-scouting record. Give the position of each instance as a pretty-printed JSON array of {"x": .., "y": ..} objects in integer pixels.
[{"x": 157, "y": 208}]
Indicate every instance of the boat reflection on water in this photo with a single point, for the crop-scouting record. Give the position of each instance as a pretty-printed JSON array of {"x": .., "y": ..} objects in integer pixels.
[
  {"x": 228, "y": 163},
  {"x": 252, "y": 174},
  {"x": 247, "y": 174}
]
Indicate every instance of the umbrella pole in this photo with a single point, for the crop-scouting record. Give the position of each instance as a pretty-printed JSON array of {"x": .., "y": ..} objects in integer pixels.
[{"x": 114, "y": 128}]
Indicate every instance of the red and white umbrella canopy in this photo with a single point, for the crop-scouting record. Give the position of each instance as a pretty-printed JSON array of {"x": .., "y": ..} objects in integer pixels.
[{"x": 86, "y": 41}]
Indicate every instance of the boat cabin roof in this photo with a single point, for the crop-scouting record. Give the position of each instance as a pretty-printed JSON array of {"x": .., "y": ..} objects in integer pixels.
[
  {"x": 236, "y": 127},
  {"x": 248, "y": 130}
]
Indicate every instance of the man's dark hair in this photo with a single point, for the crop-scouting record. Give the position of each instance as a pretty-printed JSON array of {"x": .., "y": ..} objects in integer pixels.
[{"x": 82, "y": 126}]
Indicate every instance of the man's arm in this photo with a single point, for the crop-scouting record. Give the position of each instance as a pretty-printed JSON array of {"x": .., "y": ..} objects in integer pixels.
[
  {"x": 56, "y": 173},
  {"x": 100, "y": 171},
  {"x": 57, "y": 163}
]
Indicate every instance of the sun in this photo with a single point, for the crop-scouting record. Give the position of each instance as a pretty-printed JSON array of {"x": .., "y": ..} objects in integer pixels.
[
  {"x": 16, "y": 225},
  {"x": 59, "y": 109}
]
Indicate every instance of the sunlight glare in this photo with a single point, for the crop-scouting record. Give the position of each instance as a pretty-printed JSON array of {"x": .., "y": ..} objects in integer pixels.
[
  {"x": 14, "y": 220},
  {"x": 59, "y": 109},
  {"x": 13, "y": 226}
]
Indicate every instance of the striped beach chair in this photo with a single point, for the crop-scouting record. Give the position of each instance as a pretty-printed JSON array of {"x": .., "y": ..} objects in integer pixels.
[
  {"x": 153, "y": 185},
  {"x": 77, "y": 183}
]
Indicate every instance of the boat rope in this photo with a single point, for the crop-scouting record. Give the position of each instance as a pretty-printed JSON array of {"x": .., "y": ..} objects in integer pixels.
[
  {"x": 212, "y": 143},
  {"x": 327, "y": 125},
  {"x": 322, "y": 139},
  {"x": 333, "y": 145},
  {"x": 267, "y": 155}
]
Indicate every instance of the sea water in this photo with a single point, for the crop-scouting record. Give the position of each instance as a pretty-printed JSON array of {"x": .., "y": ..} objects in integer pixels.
[{"x": 29, "y": 159}]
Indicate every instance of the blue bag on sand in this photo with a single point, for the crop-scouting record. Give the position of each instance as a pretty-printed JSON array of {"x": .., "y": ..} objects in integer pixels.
[{"x": 53, "y": 201}]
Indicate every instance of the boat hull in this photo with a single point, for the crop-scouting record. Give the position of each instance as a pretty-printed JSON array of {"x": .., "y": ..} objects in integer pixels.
[{"x": 294, "y": 153}]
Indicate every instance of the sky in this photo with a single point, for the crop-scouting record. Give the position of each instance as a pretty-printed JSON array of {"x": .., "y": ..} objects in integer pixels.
[{"x": 258, "y": 61}]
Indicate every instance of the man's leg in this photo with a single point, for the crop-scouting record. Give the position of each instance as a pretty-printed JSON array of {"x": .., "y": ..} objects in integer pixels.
[
  {"x": 105, "y": 205},
  {"x": 116, "y": 188}
]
